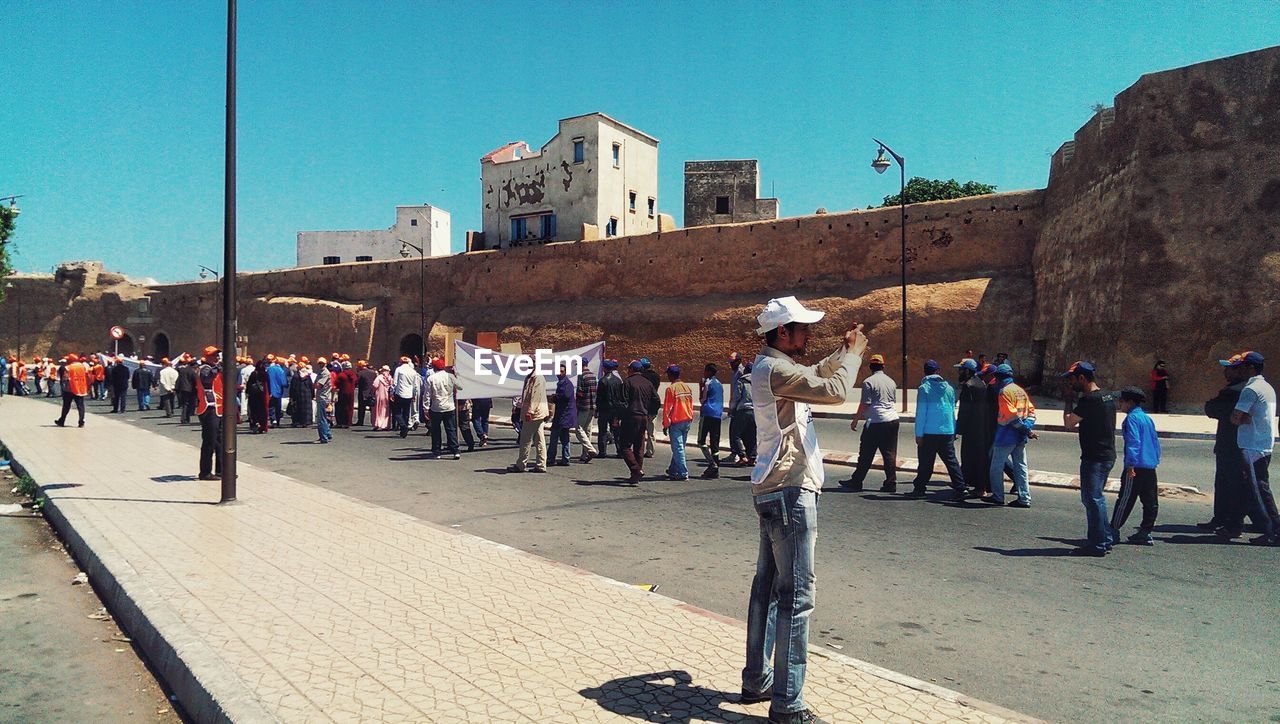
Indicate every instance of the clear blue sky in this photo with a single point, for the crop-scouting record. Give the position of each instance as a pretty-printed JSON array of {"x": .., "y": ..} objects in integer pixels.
[{"x": 111, "y": 118}]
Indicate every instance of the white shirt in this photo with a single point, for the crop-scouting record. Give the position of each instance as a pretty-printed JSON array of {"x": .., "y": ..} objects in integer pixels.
[
  {"x": 440, "y": 386},
  {"x": 406, "y": 382},
  {"x": 168, "y": 380},
  {"x": 879, "y": 394},
  {"x": 1258, "y": 400}
]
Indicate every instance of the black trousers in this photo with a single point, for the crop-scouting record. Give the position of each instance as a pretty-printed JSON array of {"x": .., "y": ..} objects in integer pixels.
[
  {"x": 67, "y": 400},
  {"x": 604, "y": 422},
  {"x": 449, "y": 421},
  {"x": 187, "y": 401},
  {"x": 634, "y": 433},
  {"x": 210, "y": 443},
  {"x": 400, "y": 409},
  {"x": 366, "y": 403},
  {"x": 932, "y": 447},
  {"x": 1259, "y": 503},
  {"x": 709, "y": 440},
  {"x": 742, "y": 433},
  {"x": 975, "y": 461},
  {"x": 882, "y": 437},
  {"x": 1160, "y": 398},
  {"x": 166, "y": 404},
  {"x": 1227, "y": 487},
  {"x": 119, "y": 399},
  {"x": 1142, "y": 487}
]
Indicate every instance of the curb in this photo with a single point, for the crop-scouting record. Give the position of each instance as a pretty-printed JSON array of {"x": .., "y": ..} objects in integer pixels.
[{"x": 216, "y": 693}]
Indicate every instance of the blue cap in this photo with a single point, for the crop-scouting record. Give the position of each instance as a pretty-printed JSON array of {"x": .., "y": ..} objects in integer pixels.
[
  {"x": 1250, "y": 357},
  {"x": 1003, "y": 370},
  {"x": 636, "y": 365},
  {"x": 610, "y": 364},
  {"x": 967, "y": 364},
  {"x": 673, "y": 370},
  {"x": 930, "y": 367},
  {"x": 1078, "y": 367},
  {"x": 644, "y": 362}
]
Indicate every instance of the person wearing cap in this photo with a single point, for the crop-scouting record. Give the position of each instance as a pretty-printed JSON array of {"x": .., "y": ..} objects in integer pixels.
[
  {"x": 209, "y": 410},
  {"x": 611, "y": 407},
  {"x": 1254, "y": 418},
  {"x": 405, "y": 388},
  {"x": 710, "y": 416},
  {"x": 1227, "y": 475},
  {"x": 879, "y": 408},
  {"x": 382, "y": 399},
  {"x": 118, "y": 378},
  {"x": 442, "y": 409},
  {"x": 1094, "y": 418},
  {"x": 75, "y": 385},
  {"x": 735, "y": 441},
  {"x": 1141, "y": 456},
  {"x": 257, "y": 394},
  {"x": 278, "y": 388},
  {"x": 533, "y": 413},
  {"x": 143, "y": 381},
  {"x": 651, "y": 375},
  {"x": 1015, "y": 426},
  {"x": 4, "y": 373},
  {"x": 972, "y": 427},
  {"x": 186, "y": 389},
  {"x": 742, "y": 419},
  {"x": 323, "y": 386},
  {"x": 564, "y": 418},
  {"x": 935, "y": 429},
  {"x": 785, "y": 484},
  {"x": 585, "y": 389},
  {"x": 641, "y": 397},
  {"x": 167, "y": 382},
  {"x": 677, "y": 416},
  {"x": 365, "y": 377}
]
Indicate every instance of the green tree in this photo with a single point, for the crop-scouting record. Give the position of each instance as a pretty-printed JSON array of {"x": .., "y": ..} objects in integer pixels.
[
  {"x": 7, "y": 216},
  {"x": 922, "y": 189}
]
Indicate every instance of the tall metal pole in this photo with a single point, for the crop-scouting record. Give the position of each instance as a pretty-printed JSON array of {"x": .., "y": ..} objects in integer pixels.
[
  {"x": 230, "y": 374},
  {"x": 902, "y": 199},
  {"x": 422, "y": 299}
]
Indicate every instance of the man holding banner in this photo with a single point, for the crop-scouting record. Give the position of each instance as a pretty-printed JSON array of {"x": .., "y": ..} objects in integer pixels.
[{"x": 533, "y": 404}]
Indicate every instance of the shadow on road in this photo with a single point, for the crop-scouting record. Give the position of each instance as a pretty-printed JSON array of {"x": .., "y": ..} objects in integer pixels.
[
  {"x": 664, "y": 696},
  {"x": 173, "y": 478},
  {"x": 1054, "y": 552}
]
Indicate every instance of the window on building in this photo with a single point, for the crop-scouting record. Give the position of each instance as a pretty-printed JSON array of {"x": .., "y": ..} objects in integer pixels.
[
  {"x": 413, "y": 222},
  {"x": 631, "y": 201},
  {"x": 548, "y": 226},
  {"x": 364, "y": 258},
  {"x": 722, "y": 204},
  {"x": 519, "y": 228},
  {"x": 653, "y": 206},
  {"x": 333, "y": 260},
  {"x": 611, "y": 229},
  {"x": 617, "y": 155},
  {"x": 144, "y": 307},
  {"x": 579, "y": 150}
]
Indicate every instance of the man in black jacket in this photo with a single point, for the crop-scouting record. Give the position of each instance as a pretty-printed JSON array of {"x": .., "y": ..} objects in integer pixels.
[
  {"x": 143, "y": 381},
  {"x": 118, "y": 377},
  {"x": 187, "y": 389},
  {"x": 642, "y": 402},
  {"x": 364, "y": 389},
  {"x": 972, "y": 427},
  {"x": 1227, "y": 474},
  {"x": 611, "y": 406},
  {"x": 651, "y": 375}
]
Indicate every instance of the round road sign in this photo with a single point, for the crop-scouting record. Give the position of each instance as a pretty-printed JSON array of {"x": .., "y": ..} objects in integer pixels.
[{"x": 117, "y": 332}]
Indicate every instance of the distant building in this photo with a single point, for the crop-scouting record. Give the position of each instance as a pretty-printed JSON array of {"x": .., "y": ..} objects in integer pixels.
[
  {"x": 724, "y": 192},
  {"x": 422, "y": 226},
  {"x": 595, "y": 178}
]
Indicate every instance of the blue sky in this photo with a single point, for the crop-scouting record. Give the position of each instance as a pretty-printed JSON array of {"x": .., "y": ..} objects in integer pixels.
[{"x": 111, "y": 120}]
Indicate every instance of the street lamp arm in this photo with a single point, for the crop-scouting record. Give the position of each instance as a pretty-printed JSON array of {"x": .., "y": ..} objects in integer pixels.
[{"x": 901, "y": 161}]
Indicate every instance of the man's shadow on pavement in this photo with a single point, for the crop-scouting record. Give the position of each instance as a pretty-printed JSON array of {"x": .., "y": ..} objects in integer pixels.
[
  {"x": 665, "y": 696},
  {"x": 1054, "y": 552}
]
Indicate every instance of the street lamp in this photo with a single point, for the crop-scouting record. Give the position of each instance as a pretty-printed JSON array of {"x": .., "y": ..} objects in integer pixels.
[
  {"x": 882, "y": 164},
  {"x": 405, "y": 246},
  {"x": 229, "y": 396},
  {"x": 9, "y": 290},
  {"x": 204, "y": 274}
]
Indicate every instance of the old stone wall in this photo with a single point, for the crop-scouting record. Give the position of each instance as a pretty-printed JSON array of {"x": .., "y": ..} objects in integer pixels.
[
  {"x": 733, "y": 184},
  {"x": 1160, "y": 233}
]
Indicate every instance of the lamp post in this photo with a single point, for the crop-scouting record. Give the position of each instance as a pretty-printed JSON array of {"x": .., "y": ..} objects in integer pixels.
[
  {"x": 229, "y": 396},
  {"x": 405, "y": 246},
  {"x": 9, "y": 290},
  {"x": 217, "y": 278},
  {"x": 881, "y": 164}
]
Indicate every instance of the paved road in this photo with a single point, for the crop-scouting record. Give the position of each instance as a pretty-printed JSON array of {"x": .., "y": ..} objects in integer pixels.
[
  {"x": 978, "y": 599},
  {"x": 56, "y": 664}
]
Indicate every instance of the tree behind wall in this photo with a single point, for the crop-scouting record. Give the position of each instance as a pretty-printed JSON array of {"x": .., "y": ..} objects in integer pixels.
[
  {"x": 922, "y": 189},
  {"x": 7, "y": 216}
]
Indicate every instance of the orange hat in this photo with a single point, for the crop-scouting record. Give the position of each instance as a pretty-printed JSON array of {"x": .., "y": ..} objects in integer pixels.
[
  {"x": 361, "y": 363},
  {"x": 72, "y": 357},
  {"x": 271, "y": 358},
  {"x": 321, "y": 360},
  {"x": 304, "y": 359},
  {"x": 437, "y": 363},
  {"x": 211, "y": 350},
  {"x": 346, "y": 357},
  {"x": 403, "y": 359},
  {"x": 877, "y": 359},
  {"x": 164, "y": 360}
]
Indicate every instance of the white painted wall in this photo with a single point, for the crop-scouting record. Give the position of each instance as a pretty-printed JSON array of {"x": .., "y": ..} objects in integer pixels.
[{"x": 424, "y": 226}]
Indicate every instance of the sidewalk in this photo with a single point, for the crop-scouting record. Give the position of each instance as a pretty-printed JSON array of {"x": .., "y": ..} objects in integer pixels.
[{"x": 298, "y": 604}]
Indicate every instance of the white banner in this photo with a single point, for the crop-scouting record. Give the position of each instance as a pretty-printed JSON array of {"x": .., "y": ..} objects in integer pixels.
[{"x": 485, "y": 373}]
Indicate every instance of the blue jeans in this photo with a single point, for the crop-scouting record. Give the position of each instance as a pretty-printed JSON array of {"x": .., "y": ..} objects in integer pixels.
[
  {"x": 679, "y": 436},
  {"x": 782, "y": 595},
  {"x": 144, "y": 400},
  {"x": 559, "y": 444},
  {"x": 322, "y": 422},
  {"x": 1093, "y": 478},
  {"x": 1018, "y": 453}
]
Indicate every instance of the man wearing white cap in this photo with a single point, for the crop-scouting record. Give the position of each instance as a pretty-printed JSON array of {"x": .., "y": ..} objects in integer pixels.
[{"x": 785, "y": 484}]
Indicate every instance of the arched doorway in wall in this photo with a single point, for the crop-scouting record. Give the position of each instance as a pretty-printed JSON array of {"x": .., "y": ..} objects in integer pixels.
[
  {"x": 411, "y": 345},
  {"x": 122, "y": 347},
  {"x": 160, "y": 345}
]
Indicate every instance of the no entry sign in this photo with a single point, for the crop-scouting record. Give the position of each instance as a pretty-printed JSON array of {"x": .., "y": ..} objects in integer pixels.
[{"x": 117, "y": 332}]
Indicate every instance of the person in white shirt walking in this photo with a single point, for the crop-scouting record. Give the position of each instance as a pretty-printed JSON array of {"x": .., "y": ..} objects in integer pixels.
[
  {"x": 406, "y": 385},
  {"x": 168, "y": 386},
  {"x": 879, "y": 409},
  {"x": 1253, "y": 416},
  {"x": 534, "y": 412},
  {"x": 442, "y": 386}
]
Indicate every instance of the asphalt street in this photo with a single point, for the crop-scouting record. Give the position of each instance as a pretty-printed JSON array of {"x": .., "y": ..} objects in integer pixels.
[{"x": 980, "y": 599}]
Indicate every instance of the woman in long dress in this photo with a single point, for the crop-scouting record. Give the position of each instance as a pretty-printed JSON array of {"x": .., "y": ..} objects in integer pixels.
[
  {"x": 256, "y": 390},
  {"x": 382, "y": 399}
]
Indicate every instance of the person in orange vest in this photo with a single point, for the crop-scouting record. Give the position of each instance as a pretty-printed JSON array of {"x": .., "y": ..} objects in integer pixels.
[
  {"x": 22, "y": 377},
  {"x": 209, "y": 406},
  {"x": 74, "y": 380},
  {"x": 98, "y": 378},
  {"x": 50, "y": 375}
]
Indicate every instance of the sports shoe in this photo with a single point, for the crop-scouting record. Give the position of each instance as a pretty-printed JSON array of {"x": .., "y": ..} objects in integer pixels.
[
  {"x": 1019, "y": 504},
  {"x": 59, "y": 423},
  {"x": 1142, "y": 539},
  {"x": 1228, "y": 533},
  {"x": 747, "y": 697},
  {"x": 804, "y": 716},
  {"x": 887, "y": 488},
  {"x": 1264, "y": 540},
  {"x": 710, "y": 474},
  {"x": 850, "y": 485}
]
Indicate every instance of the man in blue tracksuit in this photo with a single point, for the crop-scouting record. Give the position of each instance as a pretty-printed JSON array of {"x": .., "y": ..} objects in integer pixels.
[
  {"x": 278, "y": 388},
  {"x": 936, "y": 431},
  {"x": 711, "y": 413},
  {"x": 1141, "y": 456}
]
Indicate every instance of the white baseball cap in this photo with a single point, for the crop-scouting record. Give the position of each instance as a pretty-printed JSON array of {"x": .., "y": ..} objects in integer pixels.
[{"x": 784, "y": 310}]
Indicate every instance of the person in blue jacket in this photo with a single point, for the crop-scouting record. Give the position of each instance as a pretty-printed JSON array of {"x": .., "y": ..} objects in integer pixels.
[
  {"x": 711, "y": 413},
  {"x": 277, "y": 388},
  {"x": 936, "y": 431},
  {"x": 1141, "y": 456}
]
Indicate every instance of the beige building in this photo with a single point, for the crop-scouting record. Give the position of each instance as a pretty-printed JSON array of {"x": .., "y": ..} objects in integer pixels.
[
  {"x": 595, "y": 178},
  {"x": 425, "y": 227}
]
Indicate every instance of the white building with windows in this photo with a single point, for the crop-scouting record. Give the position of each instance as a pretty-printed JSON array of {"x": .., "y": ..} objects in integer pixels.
[
  {"x": 425, "y": 227},
  {"x": 595, "y": 178}
]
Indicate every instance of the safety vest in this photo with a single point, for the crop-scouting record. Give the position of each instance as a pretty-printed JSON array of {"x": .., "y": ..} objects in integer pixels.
[
  {"x": 77, "y": 380},
  {"x": 204, "y": 397}
]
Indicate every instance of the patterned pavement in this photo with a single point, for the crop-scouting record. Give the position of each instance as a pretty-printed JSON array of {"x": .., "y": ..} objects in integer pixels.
[{"x": 296, "y": 603}]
